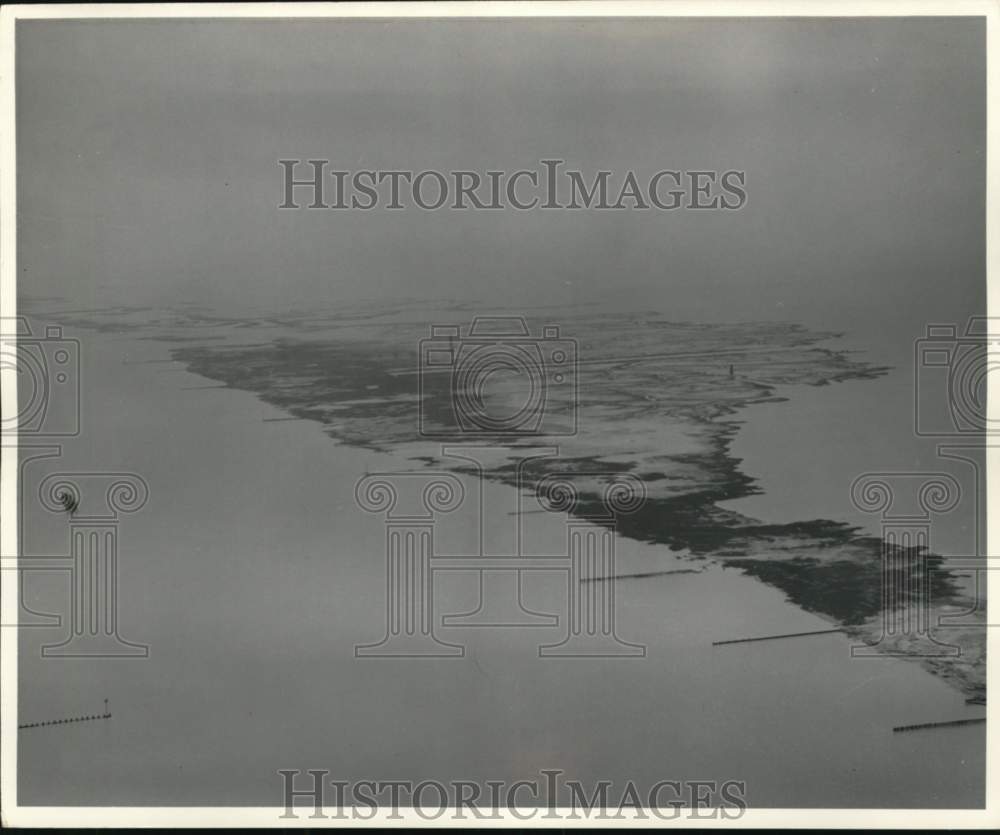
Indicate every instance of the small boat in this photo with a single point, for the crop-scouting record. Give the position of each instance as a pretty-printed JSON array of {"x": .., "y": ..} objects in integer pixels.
[{"x": 69, "y": 502}]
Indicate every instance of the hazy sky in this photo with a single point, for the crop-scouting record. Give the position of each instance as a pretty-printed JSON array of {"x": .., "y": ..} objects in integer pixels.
[{"x": 148, "y": 162}]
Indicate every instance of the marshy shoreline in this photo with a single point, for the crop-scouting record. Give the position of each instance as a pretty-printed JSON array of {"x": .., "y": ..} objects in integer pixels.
[{"x": 678, "y": 386}]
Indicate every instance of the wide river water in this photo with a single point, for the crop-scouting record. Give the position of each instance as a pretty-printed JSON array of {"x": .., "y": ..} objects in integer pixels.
[
  {"x": 252, "y": 574},
  {"x": 806, "y": 452}
]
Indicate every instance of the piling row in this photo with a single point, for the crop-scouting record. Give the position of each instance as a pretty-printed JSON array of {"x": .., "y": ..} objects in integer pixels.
[
  {"x": 64, "y": 721},
  {"x": 91, "y": 718},
  {"x": 951, "y": 724},
  {"x": 643, "y": 574},
  {"x": 777, "y": 637}
]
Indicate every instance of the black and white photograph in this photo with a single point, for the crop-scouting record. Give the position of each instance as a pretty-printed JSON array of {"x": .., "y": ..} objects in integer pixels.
[{"x": 504, "y": 414}]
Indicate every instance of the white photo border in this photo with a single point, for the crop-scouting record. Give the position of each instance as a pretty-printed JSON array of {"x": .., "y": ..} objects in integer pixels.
[{"x": 186, "y": 817}]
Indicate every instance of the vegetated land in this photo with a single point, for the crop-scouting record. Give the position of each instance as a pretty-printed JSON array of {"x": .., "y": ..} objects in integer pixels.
[{"x": 640, "y": 395}]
